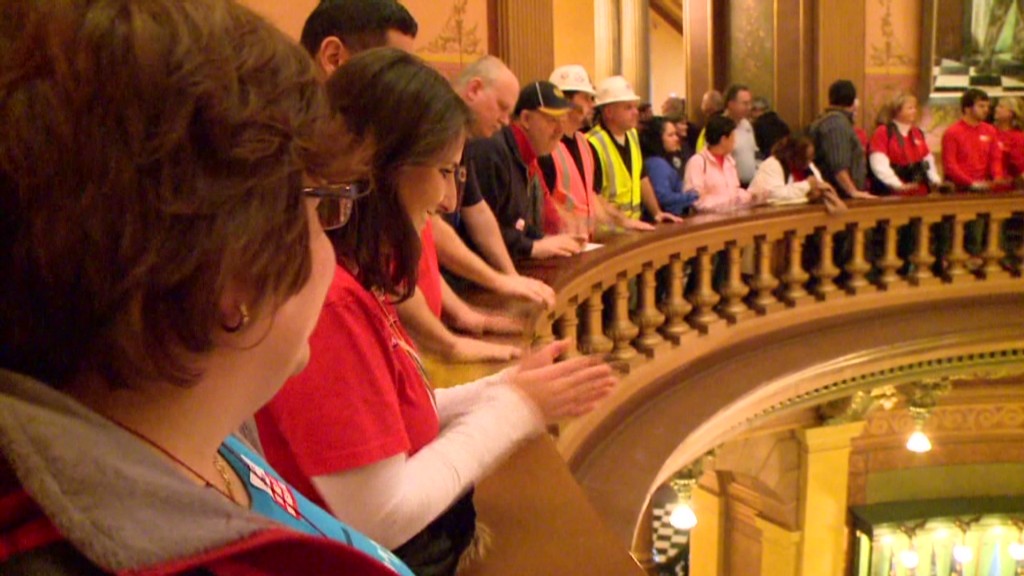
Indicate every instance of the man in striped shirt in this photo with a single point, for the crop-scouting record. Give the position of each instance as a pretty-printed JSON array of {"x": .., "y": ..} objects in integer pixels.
[{"x": 839, "y": 153}]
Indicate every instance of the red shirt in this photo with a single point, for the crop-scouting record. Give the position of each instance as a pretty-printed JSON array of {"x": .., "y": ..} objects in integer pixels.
[
  {"x": 971, "y": 153},
  {"x": 428, "y": 280},
  {"x": 361, "y": 398},
  {"x": 913, "y": 149},
  {"x": 1012, "y": 141}
]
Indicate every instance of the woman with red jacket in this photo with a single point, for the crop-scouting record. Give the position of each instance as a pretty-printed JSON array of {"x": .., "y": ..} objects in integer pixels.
[
  {"x": 1009, "y": 122},
  {"x": 901, "y": 163}
]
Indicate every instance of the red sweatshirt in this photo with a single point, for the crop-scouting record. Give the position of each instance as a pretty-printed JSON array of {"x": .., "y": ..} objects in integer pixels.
[
  {"x": 971, "y": 154},
  {"x": 1012, "y": 142}
]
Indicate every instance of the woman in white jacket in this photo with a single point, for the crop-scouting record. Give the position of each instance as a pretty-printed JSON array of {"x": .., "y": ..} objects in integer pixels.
[{"x": 789, "y": 175}]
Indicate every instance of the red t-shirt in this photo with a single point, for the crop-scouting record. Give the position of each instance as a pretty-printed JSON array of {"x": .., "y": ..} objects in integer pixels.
[
  {"x": 971, "y": 153},
  {"x": 913, "y": 149},
  {"x": 360, "y": 400},
  {"x": 1012, "y": 142},
  {"x": 429, "y": 278}
]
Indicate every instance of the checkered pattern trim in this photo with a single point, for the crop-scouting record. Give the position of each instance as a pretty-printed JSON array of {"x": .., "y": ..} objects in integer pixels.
[
  {"x": 951, "y": 78},
  {"x": 667, "y": 540}
]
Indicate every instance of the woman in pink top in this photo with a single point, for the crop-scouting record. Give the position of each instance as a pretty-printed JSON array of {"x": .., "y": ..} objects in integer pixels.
[{"x": 712, "y": 173}]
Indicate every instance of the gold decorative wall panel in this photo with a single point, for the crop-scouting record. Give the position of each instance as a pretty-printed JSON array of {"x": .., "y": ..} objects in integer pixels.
[
  {"x": 526, "y": 37},
  {"x": 752, "y": 45}
]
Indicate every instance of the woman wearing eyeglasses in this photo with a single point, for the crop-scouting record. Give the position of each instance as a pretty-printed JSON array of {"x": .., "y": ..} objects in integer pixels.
[
  {"x": 151, "y": 153},
  {"x": 361, "y": 430}
]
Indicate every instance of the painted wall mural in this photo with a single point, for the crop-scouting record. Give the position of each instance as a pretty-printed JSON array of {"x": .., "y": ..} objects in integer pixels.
[
  {"x": 752, "y": 45},
  {"x": 452, "y": 33}
]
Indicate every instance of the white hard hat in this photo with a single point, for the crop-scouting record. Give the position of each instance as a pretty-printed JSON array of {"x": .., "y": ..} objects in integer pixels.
[
  {"x": 615, "y": 89},
  {"x": 572, "y": 78}
]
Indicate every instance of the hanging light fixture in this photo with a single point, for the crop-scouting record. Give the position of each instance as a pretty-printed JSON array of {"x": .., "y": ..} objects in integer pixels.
[
  {"x": 683, "y": 516},
  {"x": 1017, "y": 548},
  {"x": 922, "y": 399},
  {"x": 963, "y": 553},
  {"x": 909, "y": 557}
]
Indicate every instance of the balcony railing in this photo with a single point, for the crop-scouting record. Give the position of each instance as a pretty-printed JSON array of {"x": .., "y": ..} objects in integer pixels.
[
  {"x": 644, "y": 295},
  {"x": 690, "y": 295}
]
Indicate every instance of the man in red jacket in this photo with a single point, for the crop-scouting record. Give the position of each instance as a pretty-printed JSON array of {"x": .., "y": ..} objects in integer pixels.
[{"x": 971, "y": 155}]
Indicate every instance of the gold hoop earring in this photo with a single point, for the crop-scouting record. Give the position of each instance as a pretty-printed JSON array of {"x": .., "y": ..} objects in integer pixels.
[{"x": 243, "y": 319}]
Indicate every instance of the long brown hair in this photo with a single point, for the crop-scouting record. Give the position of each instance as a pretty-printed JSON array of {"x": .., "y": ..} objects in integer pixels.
[
  {"x": 412, "y": 115},
  {"x": 791, "y": 152},
  {"x": 151, "y": 154}
]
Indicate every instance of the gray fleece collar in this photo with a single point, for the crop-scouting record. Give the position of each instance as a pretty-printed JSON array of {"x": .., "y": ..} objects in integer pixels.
[{"x": 115, "y": 500}]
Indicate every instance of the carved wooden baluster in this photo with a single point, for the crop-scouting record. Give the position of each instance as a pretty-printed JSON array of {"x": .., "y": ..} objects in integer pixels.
[
  {"x": 793, "y": 280},
  {"x": 567, "y": 329},
  {"x": 675, "y": 307},
  {"x": 592, "y": 338},
  {"x": 763, "y": 283},
  {"x": 1020, "y": 250},
  {"x": 957, "y": 255},
  {"x": 857, "y": 267},
  {"x": 890, "y": 261},
  {"x": 734, "y": 290},
  {"x": 703, "y": 297},
  {"x": 922, "y": 259},
  {"x": 622, "y": 330},
  {"x": 648, "y": 317},
  {"x": 993, "y": 251},
  {"x": 825, "y": 272},
  {"x": 542, "y": 335}
]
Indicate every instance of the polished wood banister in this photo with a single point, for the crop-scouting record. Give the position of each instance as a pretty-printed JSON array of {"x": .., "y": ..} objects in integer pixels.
[
  {"x": 627, "y": 253},
  {"x": 796, "y": 257}
]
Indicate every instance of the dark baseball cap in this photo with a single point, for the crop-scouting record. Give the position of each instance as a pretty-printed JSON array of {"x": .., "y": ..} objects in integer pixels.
[{"x": 544, "y": 97}]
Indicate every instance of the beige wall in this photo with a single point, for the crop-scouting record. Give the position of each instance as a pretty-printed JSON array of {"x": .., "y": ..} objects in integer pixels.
[
  {"x": 288, "y": 16},
  {"x": 437, "y": 41},
  {"x": 668, "y": 62},
  {"x": 574, "y": 34}
]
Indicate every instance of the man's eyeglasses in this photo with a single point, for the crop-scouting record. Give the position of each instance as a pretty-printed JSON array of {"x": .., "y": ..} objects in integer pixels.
[{"x": 336, "y": 202}]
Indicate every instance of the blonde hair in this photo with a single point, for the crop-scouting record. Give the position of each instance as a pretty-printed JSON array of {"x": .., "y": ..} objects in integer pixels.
[
  {"x": 892, "y": 108},
  {"x": 1015, "y": 105}
]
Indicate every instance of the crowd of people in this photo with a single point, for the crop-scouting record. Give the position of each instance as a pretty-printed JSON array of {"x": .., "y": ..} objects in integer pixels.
[{"x": 222, "y": 255}]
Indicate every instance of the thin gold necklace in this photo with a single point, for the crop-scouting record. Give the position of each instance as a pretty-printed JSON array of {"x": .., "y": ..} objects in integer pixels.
[{"x": 228, "y": 492}]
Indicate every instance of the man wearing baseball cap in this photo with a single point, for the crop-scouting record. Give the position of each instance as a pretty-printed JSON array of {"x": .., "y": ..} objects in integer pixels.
[
  {"x": 572, "y": 174},
  {"x": 624, "y": 180},
  {"x": 510, "y": 178}
]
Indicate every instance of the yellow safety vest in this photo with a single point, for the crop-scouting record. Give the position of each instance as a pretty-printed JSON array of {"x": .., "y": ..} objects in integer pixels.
[{"x": 620, "y": 186}]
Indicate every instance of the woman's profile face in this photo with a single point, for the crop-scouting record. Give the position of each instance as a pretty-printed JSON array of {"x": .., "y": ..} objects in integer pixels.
[
  {"x": 431, "y": 187},
  {"x": 670, "y": 137},
  {"x": 1003, "y": 113}
]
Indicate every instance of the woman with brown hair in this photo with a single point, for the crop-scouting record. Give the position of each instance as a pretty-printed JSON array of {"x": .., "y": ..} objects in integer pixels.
[
  {"x": 163, "y": 192},
  {"x": 898, "y": 155},
  {"x": 1009, "y": 123},
  {"x": 361, "y": 430},
  {"x": 789, "y": 175}
]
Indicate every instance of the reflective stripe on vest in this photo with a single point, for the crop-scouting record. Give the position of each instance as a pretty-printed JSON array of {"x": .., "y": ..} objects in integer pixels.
[
  {"x": 568, "y": 178},
  {"x": 620, "y": 186}
]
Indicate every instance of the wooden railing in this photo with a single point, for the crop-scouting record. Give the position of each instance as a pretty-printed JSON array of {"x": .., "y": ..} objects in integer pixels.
[
  {"x": 643, "y": 296},
  {"x": 678, "y": 308}
]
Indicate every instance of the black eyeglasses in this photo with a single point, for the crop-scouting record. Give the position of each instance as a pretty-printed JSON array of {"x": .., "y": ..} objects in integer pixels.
[{"x": 336, "y": 202}]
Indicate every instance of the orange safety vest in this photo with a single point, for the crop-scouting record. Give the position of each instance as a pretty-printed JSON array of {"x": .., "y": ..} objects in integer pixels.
[{"x": 569, "y": 208}]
